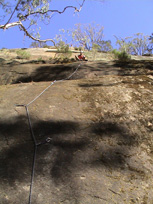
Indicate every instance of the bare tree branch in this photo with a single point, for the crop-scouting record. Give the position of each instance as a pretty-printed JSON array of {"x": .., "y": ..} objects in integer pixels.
[
  {"x": 23, "y": 18},
  {"x": 9, "y": 25},
  {"x": 4, "y": 5},
  {"x": 1, "y": 3},
  {"x": 13, "y": 12},
  {"x": 56, "y": 11},
  {"x": 18, "y": 23}
]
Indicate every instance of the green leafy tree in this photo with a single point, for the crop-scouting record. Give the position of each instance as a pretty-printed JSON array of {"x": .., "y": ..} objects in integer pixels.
[
  {"x": 63, "y": 36},
  {"x": 151, "y": 43},
  {"x": 95, "y": 49},
  {"x": 105, "y": 46},
  {"x": 124, "y": 44},
  {"x": 63, "y": 50},
  {"x": 62, "y": 47},
  {"x": 121, "y": 56},
  {"x": 26, "y": 14},
  {"x": 139, "y": 44},
  {"x": 86, "y": 35},
  {"x": 39, "y": 45}
]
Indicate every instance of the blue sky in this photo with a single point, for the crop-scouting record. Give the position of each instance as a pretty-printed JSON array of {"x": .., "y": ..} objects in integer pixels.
[{"x": 119, "y": 17}]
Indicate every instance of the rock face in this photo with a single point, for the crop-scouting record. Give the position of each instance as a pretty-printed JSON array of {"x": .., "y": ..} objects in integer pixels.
[{"x": 100, "y": 123}]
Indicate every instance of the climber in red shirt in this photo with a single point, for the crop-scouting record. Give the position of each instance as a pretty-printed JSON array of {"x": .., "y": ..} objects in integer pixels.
[{"x": 81, "y": 57}]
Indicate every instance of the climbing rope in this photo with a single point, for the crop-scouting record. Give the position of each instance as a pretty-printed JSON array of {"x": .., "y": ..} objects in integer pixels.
[{"x": 48, "y": 140}]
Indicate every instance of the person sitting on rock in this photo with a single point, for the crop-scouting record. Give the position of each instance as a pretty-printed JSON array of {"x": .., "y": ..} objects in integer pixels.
[{"x": 81, "y": 57}]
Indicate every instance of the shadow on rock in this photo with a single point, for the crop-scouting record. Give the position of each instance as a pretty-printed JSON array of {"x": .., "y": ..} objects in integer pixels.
[
  {"x": 88, "y": 85},
  {"x": 60, "y": 72},
  {"x": 70, "y": 150},
  {"x": 48, "y": 73},
  {"x": 113, "y": 130},
  {"x": 135, "y": 64}
]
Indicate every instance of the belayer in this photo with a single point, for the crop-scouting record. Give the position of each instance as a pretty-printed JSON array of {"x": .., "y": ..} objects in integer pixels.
[{"x": 81, "y": 57}]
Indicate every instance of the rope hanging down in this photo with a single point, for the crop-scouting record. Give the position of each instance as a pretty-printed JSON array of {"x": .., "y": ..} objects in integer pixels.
[{"x": 31, "y": 129}]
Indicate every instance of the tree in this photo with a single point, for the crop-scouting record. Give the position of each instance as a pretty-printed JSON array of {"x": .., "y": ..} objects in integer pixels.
[
  {"x": 90, "y": 36},
  {"x": 124, "y": 44},
  {"x": 27, "y": 13},
  {"x": 105, "y": 46},
  {"x": 87, "y": 35},
  {"x": 38, "y": 44},
  {"x": 139, "y": 44},
  {"x": 151, "y": 43},
  {"x": 62, "y": 47}
]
